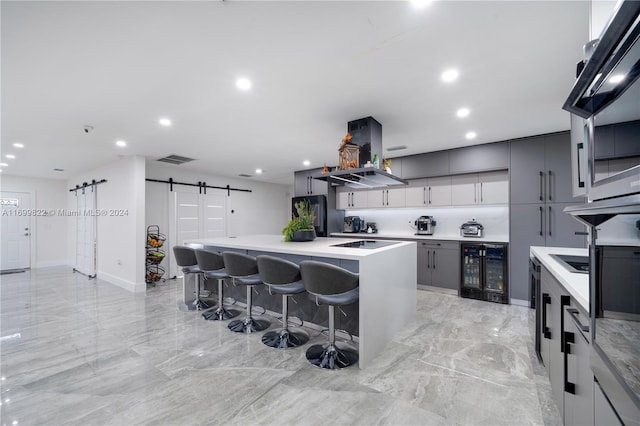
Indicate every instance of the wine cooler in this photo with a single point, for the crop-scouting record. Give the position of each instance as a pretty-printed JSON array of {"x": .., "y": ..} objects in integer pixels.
[{"x": 484, "y": 272}]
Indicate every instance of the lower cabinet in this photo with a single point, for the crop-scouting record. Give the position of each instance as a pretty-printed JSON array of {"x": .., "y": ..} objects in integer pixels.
[
  {"x": 439, "y": 264},
  {"x": 564, "y": 350}
]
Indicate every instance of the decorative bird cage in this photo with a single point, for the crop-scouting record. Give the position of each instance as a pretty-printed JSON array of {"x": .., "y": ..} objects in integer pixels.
[{"x": 349, "y": 157}]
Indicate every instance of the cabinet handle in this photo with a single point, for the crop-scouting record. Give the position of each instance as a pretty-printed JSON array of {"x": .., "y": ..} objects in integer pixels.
[
  {"x": 475, "y": 193},
  {"x": 387, "y": 197},
  {"x": 424, "y": 195},
  {"x": 549, "y": 220},
  {"x": 549, "y": 185},
  {"x": 569, "y": 338},
  {"x": 564, "y": 301},
  {"x": 579, "y": 147},
  {"x": 429, "y": 195},
  {"x": 428, "y": 262},
  {"x": 353, "y": 203},
  {"x": 481, "y": 193},
  {"x": 541, "y": 221},
  {"x": 574, "y": 315},
  {"x": 383, "y": 197},
  {"x": 546, "y": 300},
  {"x": 541, "y": 185},
  {"x": 434, "y": 259}
]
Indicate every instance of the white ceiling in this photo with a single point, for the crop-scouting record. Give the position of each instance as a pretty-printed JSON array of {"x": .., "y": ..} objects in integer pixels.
[{"x": 119, "y": 66}]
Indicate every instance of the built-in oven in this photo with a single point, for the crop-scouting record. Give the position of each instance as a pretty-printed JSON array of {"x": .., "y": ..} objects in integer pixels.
[{"x": 605, "y": 107}]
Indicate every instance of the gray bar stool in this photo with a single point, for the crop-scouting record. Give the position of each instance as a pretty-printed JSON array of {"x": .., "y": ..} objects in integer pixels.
[
  {"x": 282, "y": 277},
  {"x": 186, "y": 259},
  {"x": 244, "y": 271},
  {"x": 333, "y": 286},
  {"x": 211, "y": 264}
]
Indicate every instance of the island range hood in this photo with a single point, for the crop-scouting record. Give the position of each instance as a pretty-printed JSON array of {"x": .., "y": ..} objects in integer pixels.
[
  {"x": 366, "y": 133},
  {"x": 363, "y": 178}
]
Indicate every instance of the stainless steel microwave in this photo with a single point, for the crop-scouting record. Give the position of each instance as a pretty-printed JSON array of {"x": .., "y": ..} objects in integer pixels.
[{"x": 607, "y": 96}]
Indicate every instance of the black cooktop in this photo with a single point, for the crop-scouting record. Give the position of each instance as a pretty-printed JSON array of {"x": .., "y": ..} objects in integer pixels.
[{"x": 366, "y": 244}]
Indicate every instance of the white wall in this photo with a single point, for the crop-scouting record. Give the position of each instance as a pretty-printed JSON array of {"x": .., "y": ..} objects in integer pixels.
[
  {"x": 121, "y": 238},
  {"x": 264, "y": 210},
  {"x": 49, "y": 234}
]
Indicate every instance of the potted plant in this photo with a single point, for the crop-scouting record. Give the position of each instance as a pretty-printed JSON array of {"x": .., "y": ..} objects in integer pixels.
[{"x": 300, "y": 227}]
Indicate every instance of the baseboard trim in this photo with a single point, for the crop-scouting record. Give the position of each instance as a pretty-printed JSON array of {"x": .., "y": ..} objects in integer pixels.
[
  {"x": 127, "y": 285},
  {"x": 519, "y": 302}
]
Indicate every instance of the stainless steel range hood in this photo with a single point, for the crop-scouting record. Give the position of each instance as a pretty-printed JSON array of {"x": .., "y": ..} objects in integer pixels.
[{"x": 363, "y": 178}]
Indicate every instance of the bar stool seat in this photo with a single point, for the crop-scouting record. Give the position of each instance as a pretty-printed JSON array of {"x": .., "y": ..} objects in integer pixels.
[
  {"x": 334, "y": 286},
  {"x": 212, "y": 265},
  {"x": 282, "y": 277},
  {"x": 186, "y": 259},
  {"x": 243, "y": 269}
]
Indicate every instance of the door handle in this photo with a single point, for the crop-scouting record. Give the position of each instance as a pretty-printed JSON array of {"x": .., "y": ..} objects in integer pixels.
[
  {"x": 383, "y": 197},
  {"x": 546, "y": 300},
  {"x": 541, "y": 221},
  {"x": 309, "y": 191},
  {"x": 549, "y": 185},
  {"x": 424, "y": 195},
  {"x": 434, "y": 259},
  {"x": 481, "y": 194},
  {"x": 428, "y": 261},
  {"x": 549, "y": 218},
  {"x": 579, "y": 147},
  {"x": 564, "y": 301},
  {"x": 541, "y": 185},
  {"x": 429, "y": 195},
  {"x": 569, "y": 338}
]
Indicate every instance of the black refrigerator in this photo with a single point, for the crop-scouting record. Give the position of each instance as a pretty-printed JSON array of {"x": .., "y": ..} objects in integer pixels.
[
  {"x": 319, "y": 204},
  {"x": 484, "y": 272}
]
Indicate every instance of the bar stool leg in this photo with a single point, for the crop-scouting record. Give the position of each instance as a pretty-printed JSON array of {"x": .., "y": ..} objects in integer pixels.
[
  {"x": 248, "y": 324},
  {"x": 284, "y": 338},
  {"x": 329, "y": 356},
  {"x": 221, "y": 313},
  {"x": 200, "y": 305}
]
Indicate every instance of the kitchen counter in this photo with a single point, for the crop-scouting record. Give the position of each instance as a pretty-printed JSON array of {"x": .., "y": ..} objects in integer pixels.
[
  {"x": 409, "y": 236},
  {"x": 576, "y": 284},
  {"x": 387, "y": 280}
]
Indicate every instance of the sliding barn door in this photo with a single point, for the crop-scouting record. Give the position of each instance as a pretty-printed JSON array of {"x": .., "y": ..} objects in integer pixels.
[{"x": 86, "y": 242}]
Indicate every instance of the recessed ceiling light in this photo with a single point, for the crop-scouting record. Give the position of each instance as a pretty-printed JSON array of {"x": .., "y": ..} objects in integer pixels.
[
  {"x": 4, "y": 165},
  {"x": 470, "y": 135},
  {"x": 463, "y": 112},
  {"x": 258, "y": 171},
  {"x": 243, "y": 84},
  {"x": 10, "y": 156},
  {"x": 450, "y": 75},
  {"x": 418, "y": 4},
  {"x": 164, "y": 122},
  {"x": 18, "y": 145},
  {"x": 616, "y": 78},
  {"x": 121, "y": 143},
  {"x": 306, "y": 163}
]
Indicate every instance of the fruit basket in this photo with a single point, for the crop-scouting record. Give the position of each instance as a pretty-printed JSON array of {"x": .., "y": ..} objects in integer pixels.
[
  {"x": 155, "y": 274},
  {"x": 155, "y": 257},
  {"x": 156, "y": 240}
]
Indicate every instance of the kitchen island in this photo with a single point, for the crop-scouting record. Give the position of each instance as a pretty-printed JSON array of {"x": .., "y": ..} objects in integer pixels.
[{"x": 387, "y": 279}]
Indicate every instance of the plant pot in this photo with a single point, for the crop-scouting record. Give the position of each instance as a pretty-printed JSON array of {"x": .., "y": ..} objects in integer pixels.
[{"x": 304, "y": 235}]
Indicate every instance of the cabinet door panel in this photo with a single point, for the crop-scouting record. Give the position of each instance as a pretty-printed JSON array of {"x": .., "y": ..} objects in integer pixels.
[
  {"x": 561, "y": 228},
  {"x": 527, "y": 162},
  {"x": 424, "y": 165},
  {"x": 376, "y": 198},
  {"x": 359, "y": 200},
  {"x": 558, "y": 170},
  {"x": 395, "y": 197},
  {"x": 478, "y": 158},
  {"x": 416, "y": 193},
  {"x": 445, "y": 265},
  {"x": 463, "y": 190},
  {"x": 424, "y": 270},
  {"x": 343, "y": 199},
  {"x": 439, "y": 191},
  {"x": 524, "y": 231},
  {"x": 494, "y": 188},
  {"x": 578, "y": 406}
]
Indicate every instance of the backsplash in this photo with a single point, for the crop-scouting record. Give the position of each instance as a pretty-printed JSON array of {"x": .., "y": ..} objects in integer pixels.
[{"x": 448, "y": 219}]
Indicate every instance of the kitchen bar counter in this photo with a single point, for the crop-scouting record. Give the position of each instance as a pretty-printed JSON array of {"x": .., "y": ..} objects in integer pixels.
[
  {"x": 387, "y": 280},
  {"x": 409, "y": 236},
  {"x": 576, "y": 284}
]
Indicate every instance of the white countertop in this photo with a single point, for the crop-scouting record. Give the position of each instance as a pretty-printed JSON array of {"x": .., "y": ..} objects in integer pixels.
[
  {"x": 409, "y": 236},
  {"x": 576, "y": 284},
  {"x": 321, "y": 247}
]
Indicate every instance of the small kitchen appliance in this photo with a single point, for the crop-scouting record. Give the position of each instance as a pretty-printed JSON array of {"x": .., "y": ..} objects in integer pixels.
[
  {"x": 352, "y": 224},
  {"x": 425, "y": 225},
  {"x": 471, "y": 229}
]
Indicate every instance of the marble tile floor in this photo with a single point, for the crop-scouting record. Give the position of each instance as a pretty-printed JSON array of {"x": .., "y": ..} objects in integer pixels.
[{"x": 75, "y": 351}]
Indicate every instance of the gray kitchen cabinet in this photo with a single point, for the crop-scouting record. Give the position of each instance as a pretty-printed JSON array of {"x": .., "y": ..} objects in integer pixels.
[
  {"x": 423, "y": 165},
  {"x": 305, "y": 184},
  {"x": 479, "y": 158},
  {"x": 428, "y": 192},
  {"x": 386, "y": 197},
  {"x": 480, "y": 188},
  {"x": 603, "y": 413},
  {"x": 561, "y": 229},
  {"x": 557, "y": 164},
  {"x": 578, "y": 386},
  {"x": 348, "y": 198},
  {"x": 439, "y": 264},
  {"x": 526, "y": 230}
]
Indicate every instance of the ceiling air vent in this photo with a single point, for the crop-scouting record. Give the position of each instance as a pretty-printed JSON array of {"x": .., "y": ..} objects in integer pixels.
[{"x": 175, "y": 159}]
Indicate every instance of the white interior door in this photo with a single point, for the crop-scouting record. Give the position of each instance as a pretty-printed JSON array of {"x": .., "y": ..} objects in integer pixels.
[
  {"x": 16, "y": 235},
  {"x": 86, "y": 231},
  {"x": 187, "y": 216},
  {"x": 213, "y": 214}
]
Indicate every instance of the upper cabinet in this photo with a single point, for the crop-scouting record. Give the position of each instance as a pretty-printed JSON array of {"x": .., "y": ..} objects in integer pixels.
[
  {"x": 479, "y": 158},
  {"x": 386, "y": 197},
  {"x": 424, "y": 165},
  {"x": 490, "y": 188},
  {"x": 429, "y": 192},
  {"x": 348, "y": 198},
  {"x": 305, "y": 184}
]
